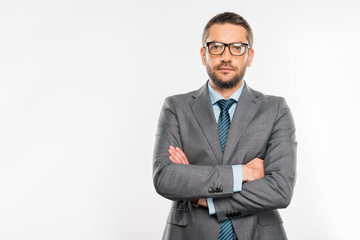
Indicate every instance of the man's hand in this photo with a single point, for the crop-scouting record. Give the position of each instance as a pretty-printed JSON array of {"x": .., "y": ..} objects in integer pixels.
[
  {"x": 253, "y": 170},
  {"x": 203, "y": 202},
  {"x": 177, "y": 155}
]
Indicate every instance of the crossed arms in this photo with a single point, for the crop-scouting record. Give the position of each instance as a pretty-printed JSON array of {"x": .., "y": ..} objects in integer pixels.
[
  {"x": 253, "y": 170},
  {"x": 187, "y": 182}
]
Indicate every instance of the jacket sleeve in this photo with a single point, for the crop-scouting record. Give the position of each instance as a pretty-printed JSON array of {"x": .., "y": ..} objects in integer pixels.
[
  {"x": 180, "y": 181},
  {"x": 275, "y": 189}
]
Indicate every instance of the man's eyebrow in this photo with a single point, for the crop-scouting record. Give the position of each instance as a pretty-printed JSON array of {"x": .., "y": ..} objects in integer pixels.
[{"x": 229, "y": 42}]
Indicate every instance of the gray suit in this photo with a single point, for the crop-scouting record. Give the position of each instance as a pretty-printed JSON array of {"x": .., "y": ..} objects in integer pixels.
[{"x": 263, "y": 127}]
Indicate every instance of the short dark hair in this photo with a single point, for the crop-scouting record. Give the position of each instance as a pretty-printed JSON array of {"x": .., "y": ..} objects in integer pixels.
[{"x": 229, "y": 17}]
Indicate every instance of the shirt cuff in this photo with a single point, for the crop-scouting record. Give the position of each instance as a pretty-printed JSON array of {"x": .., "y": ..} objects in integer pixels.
[
  {"x": 211, "y": 206},
  {"x": 238, "y": 177}
]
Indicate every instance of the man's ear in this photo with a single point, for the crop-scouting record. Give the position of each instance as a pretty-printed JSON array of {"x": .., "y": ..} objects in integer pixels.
[
  {"x": 202, "y": 53},
  {"x": 250, "y": 57}
]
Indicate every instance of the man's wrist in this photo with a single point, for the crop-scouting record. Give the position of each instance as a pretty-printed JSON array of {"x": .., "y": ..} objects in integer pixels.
[
  {"x": 245, "y": 173},
  {"x": 203, "y": 202}
]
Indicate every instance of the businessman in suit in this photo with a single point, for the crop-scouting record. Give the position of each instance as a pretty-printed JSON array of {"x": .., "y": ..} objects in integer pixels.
[{"x": 225, "y": 154}]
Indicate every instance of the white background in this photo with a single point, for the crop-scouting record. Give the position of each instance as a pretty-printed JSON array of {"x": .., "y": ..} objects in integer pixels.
[{"x": 81, "y": 88}]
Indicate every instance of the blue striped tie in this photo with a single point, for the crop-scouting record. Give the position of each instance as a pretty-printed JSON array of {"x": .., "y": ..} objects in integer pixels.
[{"x": 226, "y": 230}]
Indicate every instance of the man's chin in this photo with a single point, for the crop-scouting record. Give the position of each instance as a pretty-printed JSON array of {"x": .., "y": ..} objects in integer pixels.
[
  {"x": 224, "y": 78},
  {"x": 226, "y": 83},
  {"x": 227, "y": 80}
]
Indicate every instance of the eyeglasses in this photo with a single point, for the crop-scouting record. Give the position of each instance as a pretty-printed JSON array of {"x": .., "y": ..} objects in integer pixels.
[{"x": 218, "y": 48}]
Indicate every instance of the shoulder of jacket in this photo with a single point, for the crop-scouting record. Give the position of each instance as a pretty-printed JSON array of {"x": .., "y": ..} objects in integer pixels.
[
  {"x": 266, "y": 98},
  {"x": 181, "y": 98}
]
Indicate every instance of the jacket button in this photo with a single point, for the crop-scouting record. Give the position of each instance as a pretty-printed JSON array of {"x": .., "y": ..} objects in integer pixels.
[
  {"x": 228, "y": 215},
  {"x": 211, "y": 190}
]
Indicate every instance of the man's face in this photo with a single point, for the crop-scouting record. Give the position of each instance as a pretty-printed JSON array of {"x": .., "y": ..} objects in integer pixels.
[{"x": 226, "y": 70}]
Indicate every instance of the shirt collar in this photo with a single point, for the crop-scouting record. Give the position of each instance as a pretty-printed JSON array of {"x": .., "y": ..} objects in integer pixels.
[{"x": 215, "y": 96}]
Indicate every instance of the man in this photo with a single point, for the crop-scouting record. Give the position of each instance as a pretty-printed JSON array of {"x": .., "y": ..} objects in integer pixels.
[{"x": 225, "y": 154}]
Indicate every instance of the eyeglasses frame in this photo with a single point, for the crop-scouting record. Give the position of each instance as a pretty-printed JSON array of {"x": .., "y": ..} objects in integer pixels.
[{"x": 227, "y": 45}]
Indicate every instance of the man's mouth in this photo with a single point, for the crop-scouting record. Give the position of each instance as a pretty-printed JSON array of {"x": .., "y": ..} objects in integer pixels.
[{"x": 225, "y": 69}]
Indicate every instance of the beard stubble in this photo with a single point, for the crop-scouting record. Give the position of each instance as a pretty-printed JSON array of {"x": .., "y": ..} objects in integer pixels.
[{"x": 226, "y": 84}]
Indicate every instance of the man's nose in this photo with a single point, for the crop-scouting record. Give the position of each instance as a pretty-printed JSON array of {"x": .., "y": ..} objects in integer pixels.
[{"x": 226, "y": 55}]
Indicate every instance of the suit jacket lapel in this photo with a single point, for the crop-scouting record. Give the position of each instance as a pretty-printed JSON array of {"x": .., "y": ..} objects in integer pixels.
[
  {"x": 204, "y": 114},
  {"x": 245, "y": 110}
]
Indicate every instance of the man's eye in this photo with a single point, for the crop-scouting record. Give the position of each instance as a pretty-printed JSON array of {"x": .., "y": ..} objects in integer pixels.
[
  {"x": 237, "y": 47},
  {"x": 215, "y": 47}
]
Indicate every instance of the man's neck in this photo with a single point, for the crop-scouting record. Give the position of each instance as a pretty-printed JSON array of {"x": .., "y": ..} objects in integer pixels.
[{"x": 226, "y": 92}]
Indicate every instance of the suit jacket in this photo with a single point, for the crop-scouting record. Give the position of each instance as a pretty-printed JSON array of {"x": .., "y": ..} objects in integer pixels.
[{"x": 263, "y": 127}]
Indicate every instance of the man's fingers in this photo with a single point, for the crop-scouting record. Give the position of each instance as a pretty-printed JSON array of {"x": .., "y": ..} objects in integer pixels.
[
  {"x": 175, "y": 160},
  {"x": 174, "y": 157},
  {"x": 178, "y": 155},
  {"x": 180, "y": 151},
  {"x": 255, "y": 161},
  {"x": 182, "y": 154}
]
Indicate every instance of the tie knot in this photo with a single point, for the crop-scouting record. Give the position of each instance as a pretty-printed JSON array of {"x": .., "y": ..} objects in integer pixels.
[{"x": 225, "y": 104}]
